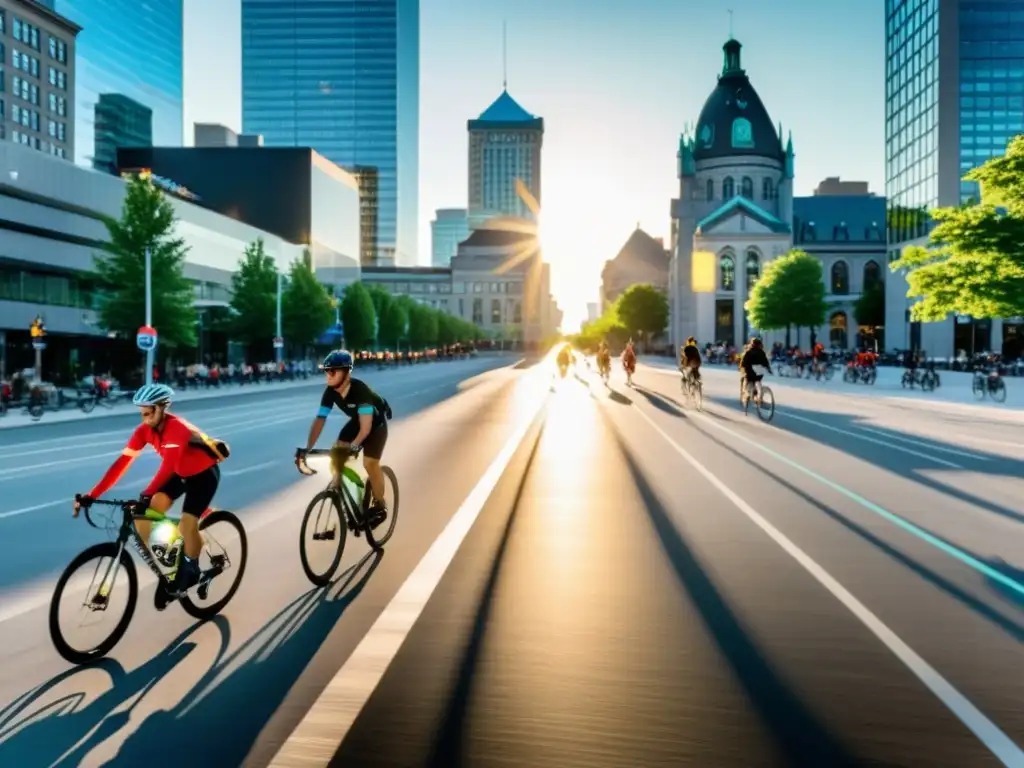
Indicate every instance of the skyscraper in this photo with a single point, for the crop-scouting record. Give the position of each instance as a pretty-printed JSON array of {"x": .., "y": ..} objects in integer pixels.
[
  {"x": 447, "y": 230},
  {"x": 954, "y": 97},
  {"x": 505, "y": 144},
  {"x": 342, "y": 77},
  {"x": 128, "y": 52}
]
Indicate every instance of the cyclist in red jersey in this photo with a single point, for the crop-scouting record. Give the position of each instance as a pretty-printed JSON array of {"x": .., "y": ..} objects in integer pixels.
[{"x": 189, "y": 468}]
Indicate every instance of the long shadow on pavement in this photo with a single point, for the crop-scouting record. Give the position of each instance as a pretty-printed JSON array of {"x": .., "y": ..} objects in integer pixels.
[
  {"x": 1012, "y": 628},
  {"x": 218, "y": 720},
  {"x": 801, "y": 736}
]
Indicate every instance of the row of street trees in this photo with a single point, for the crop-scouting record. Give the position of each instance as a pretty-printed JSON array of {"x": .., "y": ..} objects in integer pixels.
[
  {"x": 641, "y": 313},
  {"x": 370, "y": 316}
]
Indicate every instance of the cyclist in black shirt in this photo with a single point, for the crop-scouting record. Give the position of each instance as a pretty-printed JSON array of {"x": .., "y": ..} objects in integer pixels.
[
  {"x": 366, "y": 431},
  {"x": 753, "y": 355}
]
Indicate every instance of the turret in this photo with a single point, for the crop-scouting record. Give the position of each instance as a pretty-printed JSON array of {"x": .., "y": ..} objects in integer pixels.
[{"x": 789, "y": 156}]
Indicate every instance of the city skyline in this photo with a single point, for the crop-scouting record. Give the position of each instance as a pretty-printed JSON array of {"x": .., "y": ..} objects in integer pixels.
[{"x": 600, "y": 108}]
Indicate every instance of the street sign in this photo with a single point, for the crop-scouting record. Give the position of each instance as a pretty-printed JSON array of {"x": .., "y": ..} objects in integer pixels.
[
  {"x": 39, "y": 345},
  {"x": 145, "y": 339},
  {"x": 278, "y": 342}
]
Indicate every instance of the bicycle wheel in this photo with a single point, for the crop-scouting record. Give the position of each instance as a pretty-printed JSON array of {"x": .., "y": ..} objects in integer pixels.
[
  {"x": 325, "y": 523},
  {"x": 978, "y": 388},
  {"x": 998, "y": 391},
  {"x": 379, "y": 537},
  {"x": 86, "y": 404},
  {"x": 220, "y": 563},
  {"x": 35, "y": 410},
  {"x": 766, "y": 407},
  {"x": 105, "y": 551},
  {"x": 698, "y": 395}
]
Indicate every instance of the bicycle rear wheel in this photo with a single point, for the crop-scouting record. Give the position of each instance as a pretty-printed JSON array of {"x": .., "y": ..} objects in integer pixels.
[
  {"x": 698, "y": 395},
  {"x": 998, "y": 391},
  {"x": 96, "y": 600},
  {"x": 325, "y": 524},
  {"x": 220, "y": 564},
  {"x": 379, "y": 537},
  {"x": 766, "y": 406}
]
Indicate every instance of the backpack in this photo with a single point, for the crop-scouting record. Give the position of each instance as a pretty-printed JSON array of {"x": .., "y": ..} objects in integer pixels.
[{"x": 216, "y": 449}]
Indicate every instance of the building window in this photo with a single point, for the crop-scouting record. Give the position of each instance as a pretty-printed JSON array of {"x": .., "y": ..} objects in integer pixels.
[
  {"x": 711, "y": 189},
  {"x": 837, "y": 330},
  {"x": 808, "y": 233},
  {"x": 872, "y": 274},
  {"x": 478, "y": 311},
  {"x": 727, "y": 272},
  {"x": 840, "y": 232},
  {"x": 753, "y": 268},
  {"x": 728, "y": 188},
  {"x": 517, "y": 312},
  {"x": 495, "y": 311},
  {"x": 747, "y": 188},
  {"x": 742, "y": 133},
  {"x": 767, "y": 190},
  {"x": 840, "y": 279}
]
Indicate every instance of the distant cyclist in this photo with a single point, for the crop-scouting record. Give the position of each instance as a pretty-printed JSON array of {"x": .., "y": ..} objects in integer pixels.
[
  {"x": 189, "y": 468},
  {"x": 629, "y": 360},
  {"x": 689, "y": 359},
  {"x": 753, "y": 355},
  {"x": 365, "y": 432},
  {"x": 604, "y": 359}
]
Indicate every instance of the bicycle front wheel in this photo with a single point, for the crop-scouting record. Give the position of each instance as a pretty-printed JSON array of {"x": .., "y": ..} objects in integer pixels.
[
  {"x": 698, "y": 395},
  {"x": 91, "y": 576},
  {"x": 766, "y": 407},
  {"x": 322, "y": 538},
  {"x": 217, "y": 567},
  {"x": 378, "y": 537}
]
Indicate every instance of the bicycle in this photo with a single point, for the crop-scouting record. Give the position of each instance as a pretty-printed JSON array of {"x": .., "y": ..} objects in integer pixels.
[
  {"x": 166, "y": 554},
  {"x": 347, "y": 508},
  {"x": 990, "y": 383},
  {"x": 763, "y": 397},
  {"x": 693, "y": 389}
]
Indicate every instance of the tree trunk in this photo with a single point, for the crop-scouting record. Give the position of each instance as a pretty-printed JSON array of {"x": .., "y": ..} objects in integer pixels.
[{"x": 788, "y": 341}]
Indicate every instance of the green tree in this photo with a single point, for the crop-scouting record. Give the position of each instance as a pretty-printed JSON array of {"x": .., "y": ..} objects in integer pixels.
[
  {"x": 254, "y": 299},
  {"x": 869, "y": 309},
  {"x": 423, "y": 330},
  {"x": 975, "y": 262},
  {"x": 147, "y": 221},
  {"x": 789, "y": 293},
  {"x": 357, "y": 317},
  {"x": 307, "y": 309},
  {"x": 643, "y": 309}
]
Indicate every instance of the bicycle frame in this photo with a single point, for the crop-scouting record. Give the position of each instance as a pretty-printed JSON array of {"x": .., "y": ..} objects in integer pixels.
[{"x": 346, "y": 502}]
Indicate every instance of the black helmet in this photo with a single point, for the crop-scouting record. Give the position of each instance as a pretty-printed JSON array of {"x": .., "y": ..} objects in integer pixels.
[
  {"x": 338, "y": 359},
  {"x": 755, "y": 341}
]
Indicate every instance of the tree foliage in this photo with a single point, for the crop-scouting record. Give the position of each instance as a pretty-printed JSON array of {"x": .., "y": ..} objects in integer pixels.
[
  {"x": 358, "y": 317},
  {"x": 423, "y": 326},
  {"x": 147, "y": 221},
  {"x": 307, "y": 310},
  {"x": 790, "y": 292},
  {"x": 608, "y": 328},
  {"x": 643, "y": 309},
  {"x": 254, "y": 297},
  {"x": 974, "y": 264},
  {"x": 869, "y": 309}
]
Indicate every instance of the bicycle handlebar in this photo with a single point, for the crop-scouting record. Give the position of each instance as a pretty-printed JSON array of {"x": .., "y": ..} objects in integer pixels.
[
  {"x": 126, "y": 506},
  {"x": 302, "y": 453}
]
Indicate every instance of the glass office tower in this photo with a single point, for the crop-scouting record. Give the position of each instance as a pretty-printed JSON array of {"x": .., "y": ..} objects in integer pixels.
[
  {"x": 954, "y": 84},
  {"x": 128, "y": 53},
  {"x": 342, "y": 77}
]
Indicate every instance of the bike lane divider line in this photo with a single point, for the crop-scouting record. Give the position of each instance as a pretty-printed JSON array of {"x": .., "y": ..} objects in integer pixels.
[
  {"x": 325, "y": 726},
  {"x": 987, "y": 732},
  {"x": 911, "y": 441}
]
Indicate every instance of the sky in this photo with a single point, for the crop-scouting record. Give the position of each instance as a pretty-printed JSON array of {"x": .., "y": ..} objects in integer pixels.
[{"x": 616, "y": 82}]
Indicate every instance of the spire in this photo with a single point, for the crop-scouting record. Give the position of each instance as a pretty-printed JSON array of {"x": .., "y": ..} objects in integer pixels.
[
  {"x": 731, "y": 65},
  {"x": 730, "y": 24},
  {"x": 504, "y": 55}
]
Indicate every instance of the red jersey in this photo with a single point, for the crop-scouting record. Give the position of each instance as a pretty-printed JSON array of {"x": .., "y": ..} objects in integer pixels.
[{"x": 173, "y": 444}]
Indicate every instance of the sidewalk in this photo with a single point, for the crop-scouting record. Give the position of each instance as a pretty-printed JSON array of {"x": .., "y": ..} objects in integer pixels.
[{"x": 954, "y": 390}]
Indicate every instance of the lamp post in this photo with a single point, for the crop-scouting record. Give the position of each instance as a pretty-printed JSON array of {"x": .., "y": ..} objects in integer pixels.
[
  {"x": 150, "y": 353},
  {"x": 278, "y": 345}
]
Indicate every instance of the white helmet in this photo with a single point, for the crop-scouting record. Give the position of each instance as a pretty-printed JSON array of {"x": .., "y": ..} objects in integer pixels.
[{"x": 153, "y": 394}]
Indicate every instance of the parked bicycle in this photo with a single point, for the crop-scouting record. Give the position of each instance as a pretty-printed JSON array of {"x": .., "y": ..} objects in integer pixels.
[
  {"x": 342, "y": 506},
  {"x": 165, "y": 553}
]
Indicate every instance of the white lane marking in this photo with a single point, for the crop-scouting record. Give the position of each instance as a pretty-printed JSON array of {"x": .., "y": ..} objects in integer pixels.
[
  {"x": 921, "y": 443},
  {"x": 866, "y": 439},
  {"x": 253, "y": 468},
  {"x": 987, "y": 732},
  {"x": 325, "y": 726}
]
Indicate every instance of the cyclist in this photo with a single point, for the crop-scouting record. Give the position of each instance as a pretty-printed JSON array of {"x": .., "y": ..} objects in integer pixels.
[
  {"x": 604, "y": 358},
  {"x": 565, "y": 358},
  {"x": 753, "y": 355},
  {"x": 365, "y": 432},
  {"x": 189, "y": 468},
  {"x": 629, "y": 359},
  {"x": 689, "y": 359}
]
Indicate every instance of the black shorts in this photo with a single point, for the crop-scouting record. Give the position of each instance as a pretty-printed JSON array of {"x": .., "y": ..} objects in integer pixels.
[
  {"x": 373, "y": 445},
  {"x": 750, "y": 375},
  {"x": 199, "y": 490}
]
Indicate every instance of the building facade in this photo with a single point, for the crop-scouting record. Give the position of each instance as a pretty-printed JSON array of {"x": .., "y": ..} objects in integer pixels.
[
  {"x": 120, "y": 122},
  {"x": 449, "y": 228},
  {"x": 954, "y": 98},
  {"x": 37, "y": 107},
  {"x": 132, "y": 51},
  {"x": 505, "y": 144},
  {"x": 342, "y": 77},
  {"x": 642, "y": 259},
  {"x": 51, "y": 226}
]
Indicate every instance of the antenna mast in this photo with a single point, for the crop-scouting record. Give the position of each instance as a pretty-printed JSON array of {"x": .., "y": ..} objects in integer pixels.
[{"x": 504, "y": 55}]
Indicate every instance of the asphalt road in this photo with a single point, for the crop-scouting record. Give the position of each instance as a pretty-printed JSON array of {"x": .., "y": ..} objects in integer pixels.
[{"x": 616, "y": 581}]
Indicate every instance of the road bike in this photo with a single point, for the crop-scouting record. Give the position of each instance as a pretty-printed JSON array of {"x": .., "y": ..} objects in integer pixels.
[
  {"x": 763, "y": 397},
  {"x": 693, "y": 388},
  {"x": 165, "y": 554},
  {"x": 349, "y": 512}
]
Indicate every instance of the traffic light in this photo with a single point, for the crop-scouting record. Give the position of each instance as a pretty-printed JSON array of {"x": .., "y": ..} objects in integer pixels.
[{"x": 37, "y": 329}]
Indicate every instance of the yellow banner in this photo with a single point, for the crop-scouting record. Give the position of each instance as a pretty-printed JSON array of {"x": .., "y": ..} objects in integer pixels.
[{"x": 703, "y": 275}]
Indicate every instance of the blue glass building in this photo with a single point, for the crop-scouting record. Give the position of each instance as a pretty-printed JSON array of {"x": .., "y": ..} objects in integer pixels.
[
  {"x": 954, "y": 97},
  {"x": 129, "y": 53},
  {"x": 342, "y": 77}
]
